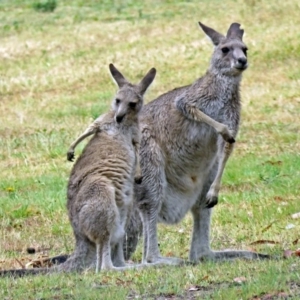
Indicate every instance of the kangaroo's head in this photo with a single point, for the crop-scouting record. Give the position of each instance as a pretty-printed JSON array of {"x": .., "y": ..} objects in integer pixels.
[
  {"x": 129, "y": 98},
  {"x": 230, "y": 54}
]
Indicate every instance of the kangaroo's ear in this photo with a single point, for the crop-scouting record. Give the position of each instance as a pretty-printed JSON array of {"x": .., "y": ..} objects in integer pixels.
[
  {"x": 234, "y": 31},
  {"x": 215, "y": 36},
  {"x": 117, "y": 76},
  {"x": 146, "y": 81}
]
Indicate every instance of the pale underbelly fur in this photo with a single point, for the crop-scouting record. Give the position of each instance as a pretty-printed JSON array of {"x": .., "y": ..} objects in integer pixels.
[{"x": 180, "y": 196}]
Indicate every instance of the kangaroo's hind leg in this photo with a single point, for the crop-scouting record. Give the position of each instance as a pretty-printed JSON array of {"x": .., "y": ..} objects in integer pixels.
[
  {"x": 200, "y": 247},
  {"x": 133, "y": 233},
  {"x": 97, "y": 218},
  {"x": 150, "y": 194},
  {"x": 82, "y": 256}
]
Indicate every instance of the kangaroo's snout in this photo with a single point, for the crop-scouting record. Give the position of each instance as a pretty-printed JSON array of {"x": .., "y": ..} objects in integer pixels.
[
  {"x": 119, "y": 118},
  {"x": 242, "y": 61}
]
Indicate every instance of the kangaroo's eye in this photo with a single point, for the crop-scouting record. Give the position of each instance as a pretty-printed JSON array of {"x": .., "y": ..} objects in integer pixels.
[
  {"x": 225, "y": 50},
  {"x": 118, "y": 101},
  {"x": 245, "y": 51},
  {"x": 132, "y": 104}
]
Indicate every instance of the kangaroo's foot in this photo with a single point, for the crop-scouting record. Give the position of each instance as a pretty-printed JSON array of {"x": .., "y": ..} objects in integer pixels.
[
  {"x": 160, "y": 260},
  {"x": 70, "y": 155},
  {"x": 232, "y": 254}
]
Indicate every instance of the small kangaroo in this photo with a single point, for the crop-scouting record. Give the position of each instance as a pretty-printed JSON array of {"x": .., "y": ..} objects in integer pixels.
[
  {"x": 100, "y": 189},
  {"x": 182, "y": 156}
]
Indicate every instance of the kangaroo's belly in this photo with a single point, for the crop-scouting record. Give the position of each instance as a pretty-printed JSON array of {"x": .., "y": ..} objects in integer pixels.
[
  {"x": 183, "y": 189},
  {"x": 176, "y": 204}
]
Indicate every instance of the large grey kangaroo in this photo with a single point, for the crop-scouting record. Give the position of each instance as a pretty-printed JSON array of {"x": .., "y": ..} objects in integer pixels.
[
  {"x": 183, "y": 157},
  {"x": 100, "y": 189}
]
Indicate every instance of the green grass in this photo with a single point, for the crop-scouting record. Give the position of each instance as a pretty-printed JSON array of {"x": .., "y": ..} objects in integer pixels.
[{"x": 55, "y": 80}]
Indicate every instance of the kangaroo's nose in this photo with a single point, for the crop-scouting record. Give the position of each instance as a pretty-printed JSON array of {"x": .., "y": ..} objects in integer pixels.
[
  {"x": 119, "y": 118},
  {"x": 242, "y": 60}
]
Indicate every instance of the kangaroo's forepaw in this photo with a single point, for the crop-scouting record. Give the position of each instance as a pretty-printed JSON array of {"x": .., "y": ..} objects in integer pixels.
[
  {"x": 228, "y": 138},
  {"x": 211, "y": 201},
  {"x": 227, "y": 135},
  {"x": 138, "y": 179},
  {"x": 231, "y": 140},
  {"x": 70, "y": 156}
]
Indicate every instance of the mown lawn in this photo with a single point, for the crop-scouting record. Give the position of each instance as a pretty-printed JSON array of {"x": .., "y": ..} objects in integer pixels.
[{"x": 54, "y": 80}]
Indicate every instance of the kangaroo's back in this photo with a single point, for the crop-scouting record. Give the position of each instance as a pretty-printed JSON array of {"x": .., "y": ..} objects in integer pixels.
[{"x": 110, "y": 154}]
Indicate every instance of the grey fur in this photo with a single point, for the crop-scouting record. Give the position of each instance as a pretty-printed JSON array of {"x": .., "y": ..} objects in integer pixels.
[{"x": 183, "y": 157}]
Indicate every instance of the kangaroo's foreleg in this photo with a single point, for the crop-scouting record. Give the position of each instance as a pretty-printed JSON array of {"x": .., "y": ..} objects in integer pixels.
[
  {"x": 224, "y": 152},
  {"x": 193, "y": 113},
  {"x": 89, "y": 131},
  {"x": 138, "y": 173},
  {"x": 150, "y": 199}
]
